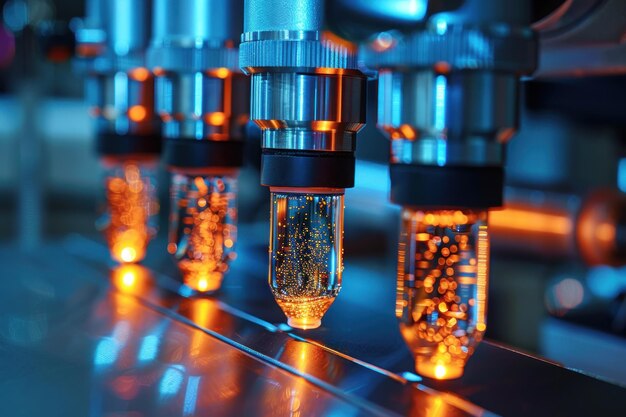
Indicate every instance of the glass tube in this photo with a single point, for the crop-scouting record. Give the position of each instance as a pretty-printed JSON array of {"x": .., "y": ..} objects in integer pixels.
[
  {"x": 203, "y": 227},
  {"x": 306, "y": 252},
  {"x": 443, "y": 271},
  {"x": 129, "y": 219}
]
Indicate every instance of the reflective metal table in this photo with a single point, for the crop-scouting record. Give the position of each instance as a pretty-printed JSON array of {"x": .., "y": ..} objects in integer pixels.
[{"x": 81, "y": 337}]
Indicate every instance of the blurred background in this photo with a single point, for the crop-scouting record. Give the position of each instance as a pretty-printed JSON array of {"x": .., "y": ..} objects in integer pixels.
[{"x": 558, "y": 280}]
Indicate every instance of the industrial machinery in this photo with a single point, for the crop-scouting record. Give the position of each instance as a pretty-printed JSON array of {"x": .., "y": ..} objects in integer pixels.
[
  {"x": 201, "y": 98},
  {"x": 111, "y": 48}
]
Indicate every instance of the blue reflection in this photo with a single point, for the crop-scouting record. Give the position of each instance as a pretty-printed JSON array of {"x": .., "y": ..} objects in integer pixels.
[
  {"x": 120, "y": 88},
  {"x": 172, "y": 380},
  {"x": 185, "y": 291},
  {"x": 149, "y": 348},
  {"x": 197, "y": 102},
  {"x": 440, "y": 102},
  {"x": 15, "y": 15},
  {"x": 122, "y": 30},
  {"x": 106, "y": 351},
  {"x": 621, "y": 175},
  {"x": 191, "y": 395},
  {"x": 441, "y": 27},
  {"x": 372, "y": 176},
  {"x": 606, "y": 281},
  {"x": 440, "y": 116},
  {"x": 411, "y": 377},
  {"x": 479, "y": 44}
]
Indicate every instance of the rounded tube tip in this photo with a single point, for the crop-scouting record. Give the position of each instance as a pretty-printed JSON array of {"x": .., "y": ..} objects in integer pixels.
[
  {"x": 201, "y": 282},
  {"x": 304, "y": 323},
  {"x": 424, "y": 366},
  {"x": 305, "y": 312}
]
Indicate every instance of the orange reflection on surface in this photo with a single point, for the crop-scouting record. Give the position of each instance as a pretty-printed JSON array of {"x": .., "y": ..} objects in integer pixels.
[
  {"x": 130, "y": 203},
  {"x": 292, "y": 400},
  {"x": 213, "y": 363},
  {"x": 132, "y": 279}
]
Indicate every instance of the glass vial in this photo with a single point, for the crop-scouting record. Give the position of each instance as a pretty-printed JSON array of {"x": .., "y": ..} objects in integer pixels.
[
  {"x": 443, "y": 272},
  {"x": 129, "y": 218},
  {"x": 203, "y": 227},
  {"x": 306, "y": 252}
]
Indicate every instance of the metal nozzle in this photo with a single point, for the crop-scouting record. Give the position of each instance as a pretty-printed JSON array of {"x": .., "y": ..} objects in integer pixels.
[
  {"x": 448, "y": 100},
  {"x": 308, "y": 95},
  {"x": 193, "y": 54},
  {"x": 111, "y": 48}
]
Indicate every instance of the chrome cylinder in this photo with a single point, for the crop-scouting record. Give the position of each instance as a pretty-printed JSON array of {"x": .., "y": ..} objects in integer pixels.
[
  {"x": 308, "y": 111},
  {"x": 307, "y": 91},
  {"x": 458, "y": 118},
  {"x": 200, "y": 93},
  {"x": 448, "y": 96},
  {"x": 111, "y": 47}
]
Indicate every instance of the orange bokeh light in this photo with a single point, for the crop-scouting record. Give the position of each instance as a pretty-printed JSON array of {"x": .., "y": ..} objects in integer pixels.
[
  {"x": 139, "y": 74},
  {"x": 137, "y": 113},
  {"x": 215, "y": 118},
  {"x": 221, "y": 73}
]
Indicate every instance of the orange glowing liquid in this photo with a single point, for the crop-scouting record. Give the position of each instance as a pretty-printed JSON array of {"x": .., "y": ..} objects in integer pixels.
[
  {"x": 442, "y": 285},
  {"x": 131, "y": 202},
  {"x": 203, "y": 228},
  {"x": 306, "y": 255},
  {"x": 304, "y": 312}
]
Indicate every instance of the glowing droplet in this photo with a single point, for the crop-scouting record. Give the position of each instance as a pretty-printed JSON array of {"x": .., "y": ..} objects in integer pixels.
[
  {"x": 128, "y": 255},
  {"x": 440, "y": 371}
]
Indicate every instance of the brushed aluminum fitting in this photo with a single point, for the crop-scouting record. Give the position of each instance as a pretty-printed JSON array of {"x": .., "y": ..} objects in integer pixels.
[
  {"x": 448, "y": 94},
  {"x": 111, "y": 53},
  {"x": 114, "y": 36},
  {"x": 200, "y": 91},
  {"x": 497, "y": 47},
  {"x": 307, "y": 91}
]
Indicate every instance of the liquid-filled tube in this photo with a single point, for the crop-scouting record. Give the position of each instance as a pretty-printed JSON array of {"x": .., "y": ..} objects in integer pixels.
[
  {"x": 203, "y": 227},
  {"x": 306, "y": 252},
  {"x": 443, "y": 272},
  {"x": 128, "y": 218}
]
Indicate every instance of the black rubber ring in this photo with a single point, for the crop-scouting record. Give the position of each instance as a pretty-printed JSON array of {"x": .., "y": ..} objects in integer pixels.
[
  {"x": 110, "y": 144},
  {"x": 446, "y": 187},
  {"x": 192, "y": 153},
  {"x": 282, "y": 168}
]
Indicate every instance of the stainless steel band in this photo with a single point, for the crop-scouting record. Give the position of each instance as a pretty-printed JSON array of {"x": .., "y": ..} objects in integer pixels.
[
  {"x": 200, "y": 91},
  {"x": 303, "y": 111},
  {"x": 202, "y": 105},
  {"x": 295, "y": 49},
  {"x": 460, "y": 118},
  {"x": 307, "y": 92},
  {"x": 200, "y": 57},
  {"x": 448, "y": 94},
  {"x": 499, "y": 47},
  {"x": 122, "y": 102}
]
